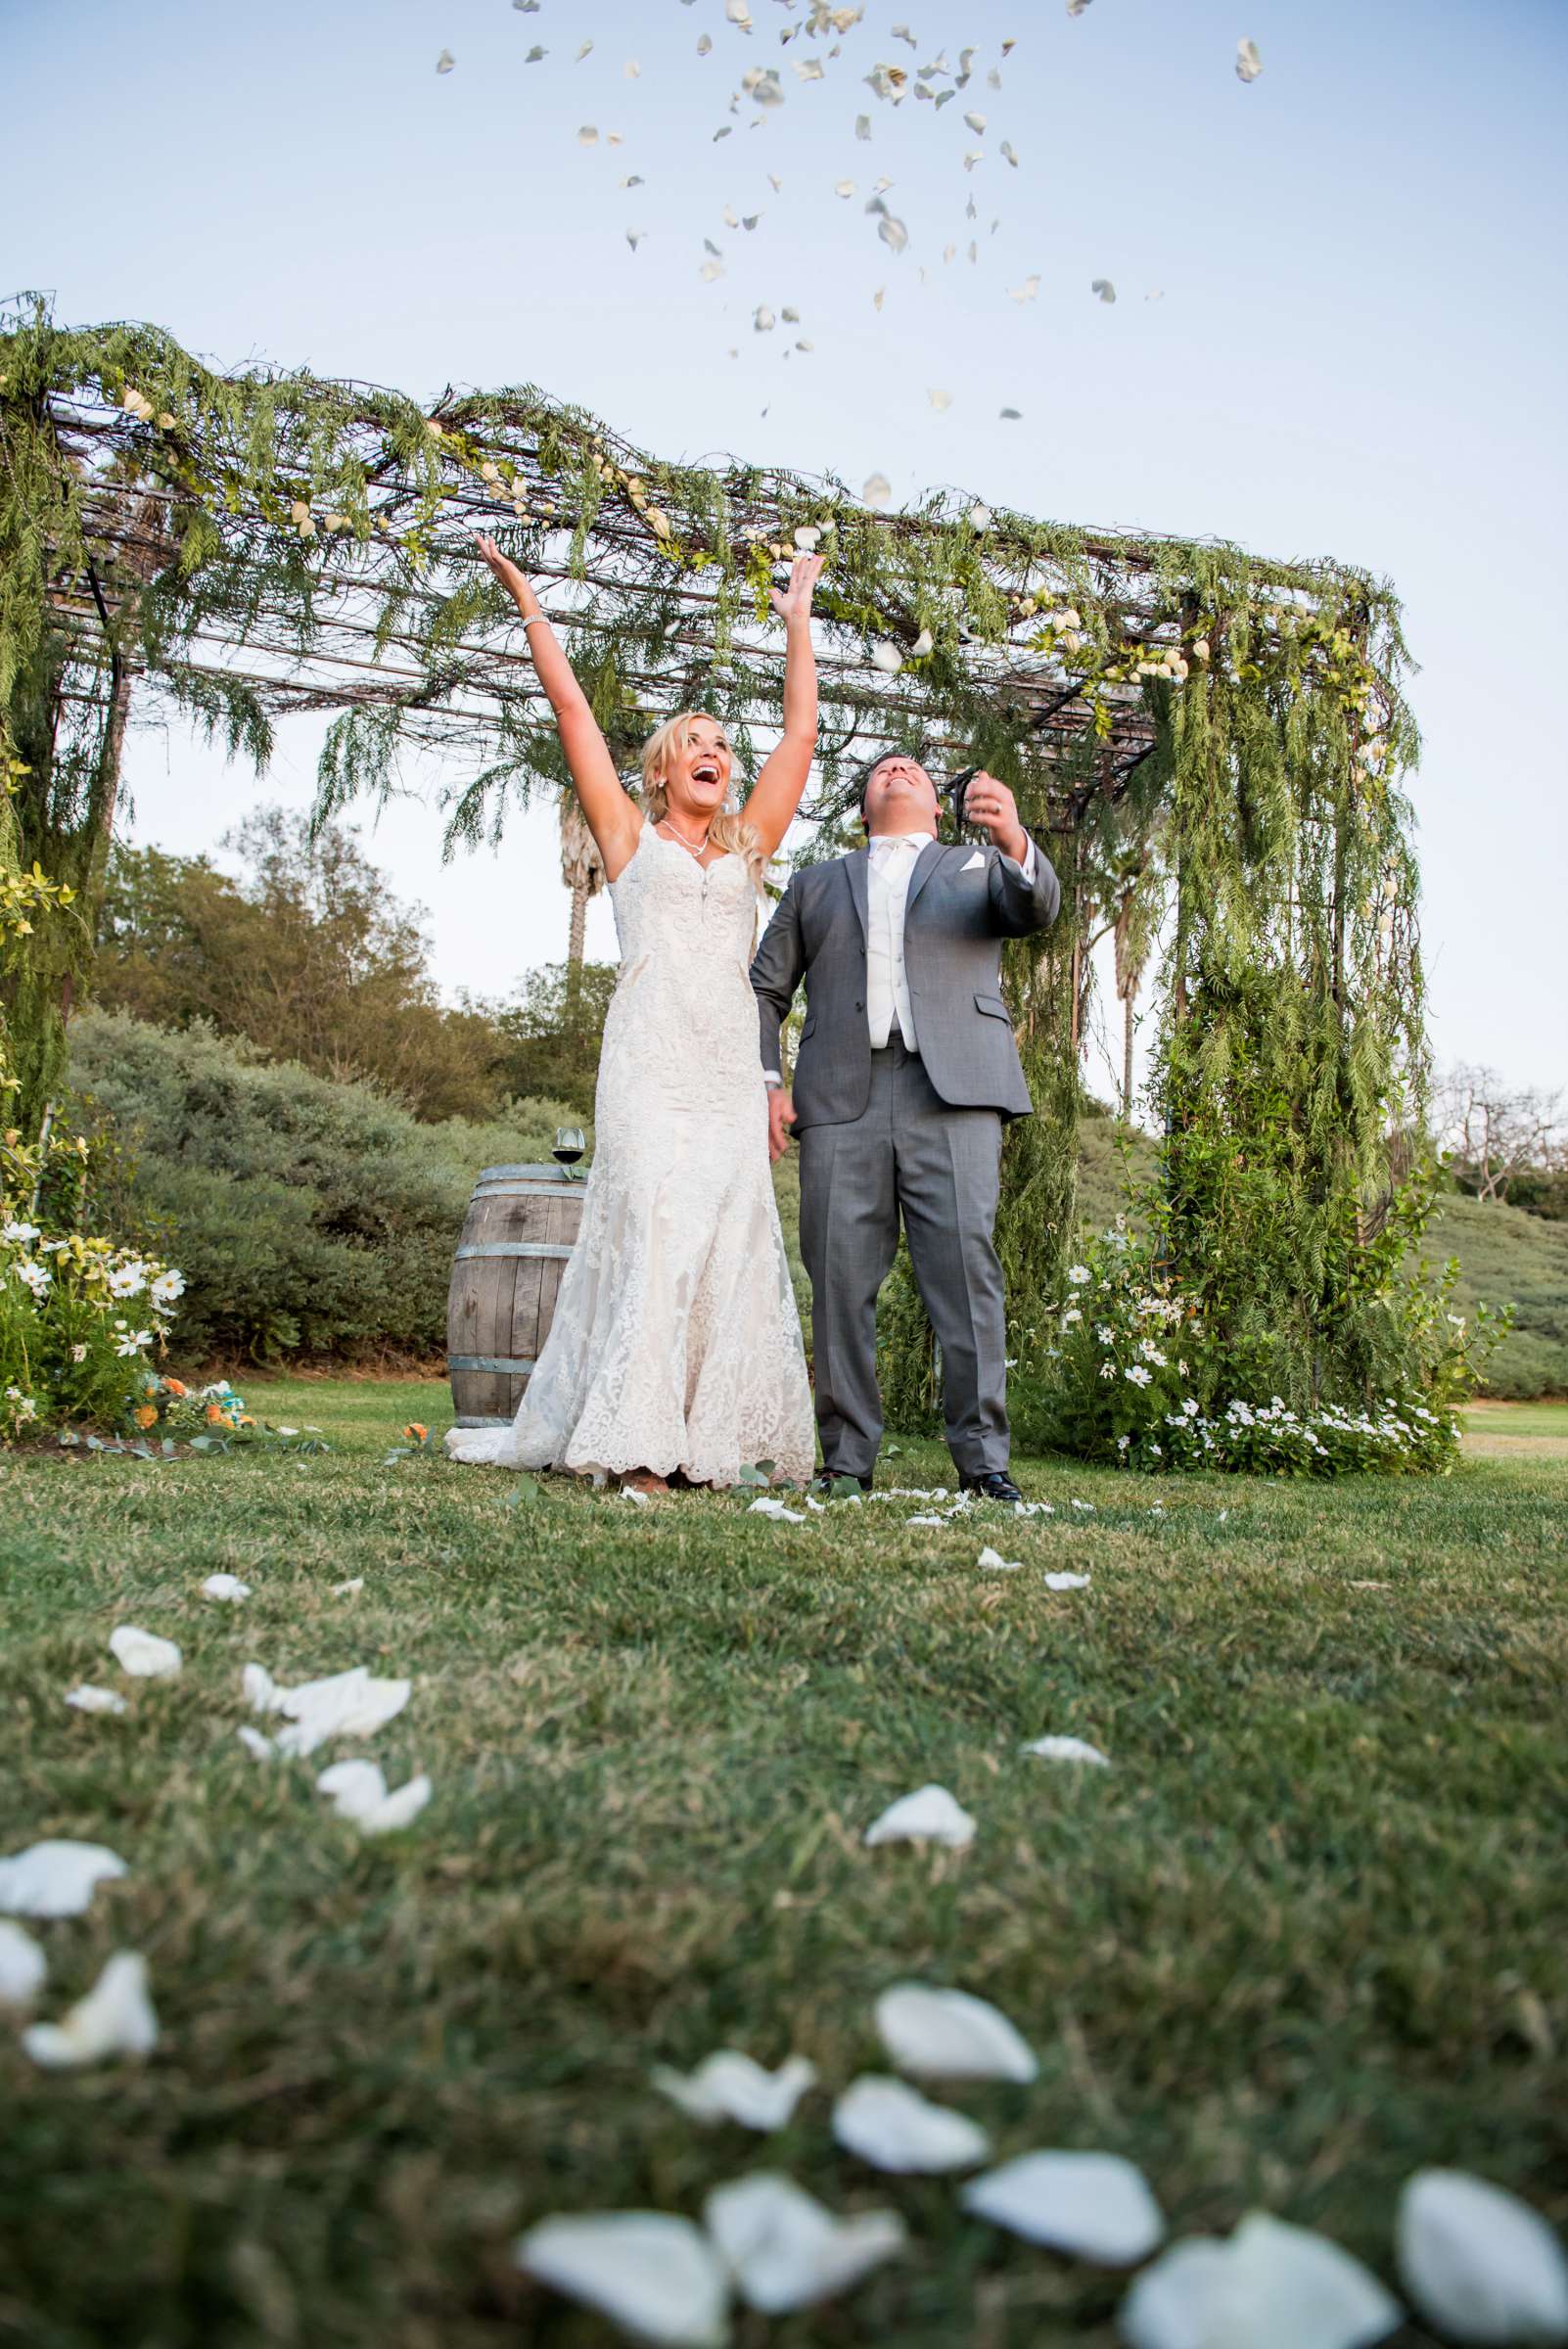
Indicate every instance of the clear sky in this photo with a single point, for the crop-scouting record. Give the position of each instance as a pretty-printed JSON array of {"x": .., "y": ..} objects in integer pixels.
[{"x": 1358, "y": 351}]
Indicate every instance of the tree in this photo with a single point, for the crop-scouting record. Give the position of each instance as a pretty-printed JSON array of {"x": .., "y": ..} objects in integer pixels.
[
  {"x": 1497, "y": 1132},
  {"x": 583, "y": 871},
  {"x": 307, "y": 954},
  {"x": 552, "y": 1035}
]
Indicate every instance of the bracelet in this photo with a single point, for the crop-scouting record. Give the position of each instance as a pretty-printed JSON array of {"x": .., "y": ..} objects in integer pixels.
[{"x": 535, "y": 617}]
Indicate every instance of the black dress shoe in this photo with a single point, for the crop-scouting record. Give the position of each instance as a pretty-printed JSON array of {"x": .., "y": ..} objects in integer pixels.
[
  {"x": 826, "y": 1481},
  {"x": 995, "y": 1485}
]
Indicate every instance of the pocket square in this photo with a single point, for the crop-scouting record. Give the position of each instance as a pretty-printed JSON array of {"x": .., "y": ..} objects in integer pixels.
[{"x": 976, "y": 863}]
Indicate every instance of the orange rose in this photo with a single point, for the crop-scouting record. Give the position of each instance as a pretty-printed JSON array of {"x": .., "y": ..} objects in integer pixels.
[
  {"x": 214, "y": 1414},
  {"x": 415, "y": 1432},
  {"x": 147, "y": 1417},
  {"x": 244, "y": 1420},
  {"x": 177, "y": 1387}
]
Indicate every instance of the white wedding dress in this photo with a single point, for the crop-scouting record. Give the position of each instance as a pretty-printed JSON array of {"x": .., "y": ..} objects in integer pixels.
[{"x": 676, "y": 1342}]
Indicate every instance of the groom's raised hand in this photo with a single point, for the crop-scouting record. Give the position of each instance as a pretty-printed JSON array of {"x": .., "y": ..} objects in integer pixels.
[
  {"x": 991, "y": 804},
  {"x": 780, "y": 1118}
]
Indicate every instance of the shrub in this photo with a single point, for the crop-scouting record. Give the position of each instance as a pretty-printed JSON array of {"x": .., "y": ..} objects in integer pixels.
[{"x": 313, "y": 1217}]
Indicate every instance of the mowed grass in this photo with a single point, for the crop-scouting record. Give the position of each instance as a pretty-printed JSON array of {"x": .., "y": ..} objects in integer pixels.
[{"x": 1307, "y": 1934}]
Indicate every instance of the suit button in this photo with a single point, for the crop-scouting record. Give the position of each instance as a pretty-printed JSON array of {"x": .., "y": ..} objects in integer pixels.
[{"x": 860, "y": 1007}]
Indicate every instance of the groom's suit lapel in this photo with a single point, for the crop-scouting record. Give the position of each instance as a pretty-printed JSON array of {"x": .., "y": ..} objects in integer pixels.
[
  {"x": 926, "y": 864},
  {"x": 856, "y": 865}
]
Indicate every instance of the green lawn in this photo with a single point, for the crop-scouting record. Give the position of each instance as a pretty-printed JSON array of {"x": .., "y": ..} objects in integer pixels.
[{"x": 1306, "y": 1934}]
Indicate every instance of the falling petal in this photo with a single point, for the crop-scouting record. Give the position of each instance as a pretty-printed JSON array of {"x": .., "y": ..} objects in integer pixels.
[
  {"x": 924, "y": 643},
  {"x": 1093, "y": 2205},
  {"x": 763, "y": 86},
  {"x": 876, "y": 489},
  {"x": 940, "y": 400},
  {"x": 704, "y": 44},
  {"x": 583, "y": 52},
  {"x": 720, "y": 134},
  {"x": 1027, "y": 291},
  {"x": 976, "y": 155},
  {"x": 893, "y": 2127},
  {"x": 843, "y": 187},
  {"x": 534, "y": 55},
  {"x": 977, "y": 123},
  {"x": 709, "y": 270},
  {"x": 943, "y": 98},
  {"x": 1068, "y": 1749},
  {"x": 1479, "y": 2264},
  {"x": 930, "y": 1815},
  {"x": 88, "y": 1699},
  {"x": 56, "y": 1878},
  {"x": 737, "y": 13},
  {"x": 588, "y": 135},
  {"x": 143, "y": 1654},
  {"x": 631, "y": 69},
  {"x": 777, "y": 185},
  {"x": 656, "y": 2274},
  {"x": 225, "y": 1586},
  {"x": 358, "y": 1792},
  {"x": 947, "y": 2035},
  {"x": 634, "y": 237},
  {"x": 902, "y": 33},
  {"x": 1103, "y": 286},
  {"x": 1008, "y": 154},
  {"x": 893, "y": 232},
  {"x": 786, "y": 2251},
  {"x": 446, "y": 62},
  {"x": 1249, "y": 65},
  {"x": 810, "y": 69},
  {"x": 1158, "y": 294},
  {"x": 115, "y": 2018},
  {"x": 878, "y": 298},
  {"x": 1011, "y": 415},
  {"x": 762, "y": 319},
  {"x": 981, "y": 516},
  {"x": 732, "y": 2086},
  {"x": 863, "y": 126},
  {"x": 887, "y": 658},
  {"x": 1075, "y": 8}
]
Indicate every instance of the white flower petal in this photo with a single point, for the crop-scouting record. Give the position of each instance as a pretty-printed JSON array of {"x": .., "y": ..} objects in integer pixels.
[
  {"x": 1068, "y": 1749},
  {"x": 892, "y": 2126},
  {"x": 1479, "y": 2264},
  {"x": 88, "y": 1699},
  {"x": 358, "y": 1792},
  {"x": 1295, "y": 2289},
  {"x": 1172, "y": 2303},
  {"x": 657, "y": 2275},
  {"x": 115, "y": 2018},
  {"x": 143, "y": 1654},
  {"x": 226, "y": 1586},
  {"x": 23, "y": 1967},
  {"x": 887, "y": 657},
  {"x": 928, "y": 1816},
  {"x": 767, "y": 1504},
  {"x": 1066, "y": 1582},
  {"x": 949, "y": 2035},
  {"x": 1249, "y": 65},
  {"x": 785, "y": 2251},
  {"x": 940, "y": 400},
  {"x": 347, "y": 1590},
  {"x": 893, "y": 232},
  {"x": 1103, "y": 286},
  {"x": 732, "y": 2086},
  {"x": 981, "y": 516},
  {"x": 55, "y": 1878},
  {"x": 995, "y": 1563},
  {"x": 446, "y": 62},
  {"x": 807, "y": 538},
  {"x": 923, "y": 644},
  {"x": 1094, "y": 2205},
  {"x": 261, "y": 1748},
  {"x": 346, "y": 1704}
]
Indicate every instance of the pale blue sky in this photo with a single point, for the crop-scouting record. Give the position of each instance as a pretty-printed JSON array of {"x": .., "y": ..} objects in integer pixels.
[{"x": 1360, "y": 351}]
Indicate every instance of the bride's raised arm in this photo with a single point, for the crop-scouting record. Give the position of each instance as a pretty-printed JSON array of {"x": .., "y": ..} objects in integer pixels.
[
  {"x": 770, "y": 809},
  {"x": 613, "y": 816}
]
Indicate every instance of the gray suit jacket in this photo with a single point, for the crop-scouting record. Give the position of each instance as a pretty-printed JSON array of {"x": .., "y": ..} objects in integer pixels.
[{"x": 954, "y": 924}]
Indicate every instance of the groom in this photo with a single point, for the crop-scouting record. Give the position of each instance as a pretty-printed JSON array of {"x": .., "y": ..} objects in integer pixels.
[{"x": 905, "y": 1072}]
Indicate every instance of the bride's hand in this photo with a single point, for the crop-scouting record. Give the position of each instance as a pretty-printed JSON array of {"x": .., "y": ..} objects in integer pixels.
[
  {"x": 794, "y": 602},
  {"x": 505, "y": 569}
]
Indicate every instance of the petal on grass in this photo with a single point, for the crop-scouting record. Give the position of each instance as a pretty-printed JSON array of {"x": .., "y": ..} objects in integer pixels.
[
  {"x": 88, "y": 1699},
  {"x": 995, "y": 1563},
  {"x": 115, "y": 2018},
  {"x": 1295, "y": 2289},
  {"x": 1094, "y": 2205},
  {"x": 346, "y": 1704},
  {"x": 23, "y": 1967},
  {"x": 1172, "y": 2303},
  {"x": 225, "y": 1586},
  {"x": 56, "y": 1878},
  {"x": 654, "y": 2273},
  {"x": 143, "y": 1654},
  {"x": 1479, "y": 2264},
  {"x": 732, "y": 2086},
  {"x": 261, "y": 1748},
  {"x": 1066, "y": 1582},
  {"x": 1069, "y": 1749},
  {"x": 358, "y": 1792},
  {"x": 949, "y": 2035},
  {"x": 786, "y": 2251},
  {"x": 928, "y": 1816},
  {"x": 893, "y": 2127}
]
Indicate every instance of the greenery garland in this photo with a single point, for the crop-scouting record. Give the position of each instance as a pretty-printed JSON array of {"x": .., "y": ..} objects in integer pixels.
[{"x": 1188, "y": 726}]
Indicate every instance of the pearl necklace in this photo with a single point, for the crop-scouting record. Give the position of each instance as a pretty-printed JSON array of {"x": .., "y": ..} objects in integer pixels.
[{"x": 698, "y": 850}]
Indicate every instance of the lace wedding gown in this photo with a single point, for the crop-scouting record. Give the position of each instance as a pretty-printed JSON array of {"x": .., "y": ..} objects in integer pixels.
[{"x": 676, "y": 1342}]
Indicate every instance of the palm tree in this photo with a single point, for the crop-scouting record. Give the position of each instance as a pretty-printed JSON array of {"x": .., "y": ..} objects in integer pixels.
[{"x": 583, "y": 871}]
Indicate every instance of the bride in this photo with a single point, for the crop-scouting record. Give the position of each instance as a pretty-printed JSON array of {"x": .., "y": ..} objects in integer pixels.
[{"x": 676, "y": 1343}]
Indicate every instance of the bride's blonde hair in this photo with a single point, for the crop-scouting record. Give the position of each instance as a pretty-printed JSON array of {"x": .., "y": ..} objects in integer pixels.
[{"x": 730, "y": 830}]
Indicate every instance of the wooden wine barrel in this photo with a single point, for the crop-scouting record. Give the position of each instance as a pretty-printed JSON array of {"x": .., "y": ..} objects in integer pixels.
[{"x": 519, "y": 1230}]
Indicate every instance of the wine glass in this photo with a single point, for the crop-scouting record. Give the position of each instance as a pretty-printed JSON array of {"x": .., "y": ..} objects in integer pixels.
[{"x": 569, "y": 1145}]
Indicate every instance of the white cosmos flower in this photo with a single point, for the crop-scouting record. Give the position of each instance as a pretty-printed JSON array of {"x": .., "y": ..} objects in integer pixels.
[
  {"x": 657, "y": 2276},
  {"x": 143, "y": 1654},
  {"x": 928, "y": 1816},
  {"x": 1069, "y": 1749},
  {"x": 1479, "y": 2265},
  {"x": 37, "y": 1278},
  {"x": 1093, "y": 2205},
  {"x": 20, "y": 1234},
  {"x": 55, "y": 1878},
  {"x": 949, "y": 2035},
  {"x": 23, "y": 1967},
  {"x": 88, "y": 1699},
  {"x": 358, "y": 1792},
  {"x": 1077, "y": 1275},
  {"x": 786, "y": 2251},
  {"x": 732, "y": 2086},
  {"x": 893, "y": 2127},
  {"x": 168, "y": 1287},
  {"x": 133, "y": 1342},
  {"x": 115, "y": 2018}
]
